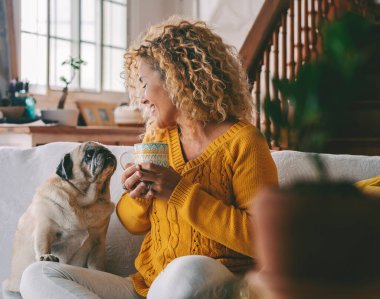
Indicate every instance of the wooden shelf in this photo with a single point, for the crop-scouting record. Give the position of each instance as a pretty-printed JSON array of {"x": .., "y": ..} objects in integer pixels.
[{"x": 28, "y": 136}]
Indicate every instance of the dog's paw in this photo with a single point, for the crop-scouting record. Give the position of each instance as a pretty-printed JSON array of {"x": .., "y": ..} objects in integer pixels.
[{"x": 49, "y": 258}]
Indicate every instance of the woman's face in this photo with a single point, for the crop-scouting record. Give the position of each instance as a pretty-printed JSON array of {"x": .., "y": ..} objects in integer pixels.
[{"x": 155, "y": 98}]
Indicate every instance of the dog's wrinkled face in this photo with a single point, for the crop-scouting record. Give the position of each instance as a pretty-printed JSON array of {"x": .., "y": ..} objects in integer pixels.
[{"x": 90, "y": 161}]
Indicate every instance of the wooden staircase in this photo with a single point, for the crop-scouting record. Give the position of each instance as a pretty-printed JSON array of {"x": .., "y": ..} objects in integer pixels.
[
  {"x": 363, "y": 136},
  {"x": 285, "y": 35}
]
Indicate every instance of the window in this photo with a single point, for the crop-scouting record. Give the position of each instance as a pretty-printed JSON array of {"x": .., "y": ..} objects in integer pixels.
[{"x": 54, "y": 30}]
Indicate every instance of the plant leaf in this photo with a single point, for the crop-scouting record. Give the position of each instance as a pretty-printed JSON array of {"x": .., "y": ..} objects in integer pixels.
[{"x": 63, "y": 79}]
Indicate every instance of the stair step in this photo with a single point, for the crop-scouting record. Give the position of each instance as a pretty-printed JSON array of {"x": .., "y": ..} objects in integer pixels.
[
  {"x": 355, "y": 146},
  {"x": 369, "y": 104},
  {"x": 364, "y": 120}
]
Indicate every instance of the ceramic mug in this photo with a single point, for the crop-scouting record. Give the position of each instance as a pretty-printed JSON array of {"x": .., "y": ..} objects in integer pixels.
[
  {"x": 152, "y": 152},
  {"x": 126, "y": 158}
]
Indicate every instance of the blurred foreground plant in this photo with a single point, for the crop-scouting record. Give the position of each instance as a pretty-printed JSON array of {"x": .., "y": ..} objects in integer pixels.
[{"x": 324, "y": 90}]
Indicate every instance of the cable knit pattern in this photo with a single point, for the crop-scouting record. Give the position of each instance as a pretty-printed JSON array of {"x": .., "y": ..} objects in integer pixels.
[{"x": 207, "y": 211}]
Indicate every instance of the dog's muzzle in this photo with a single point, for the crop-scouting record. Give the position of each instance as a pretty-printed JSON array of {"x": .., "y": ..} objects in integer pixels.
[
  {"x": 105, "y": 157},
  {"x": 102, "y": 159}
]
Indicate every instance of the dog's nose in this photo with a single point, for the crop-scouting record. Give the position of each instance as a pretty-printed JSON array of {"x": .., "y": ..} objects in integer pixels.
[
  {"x": 105, "y": 155},
  {"x": 108, "y": 156}
]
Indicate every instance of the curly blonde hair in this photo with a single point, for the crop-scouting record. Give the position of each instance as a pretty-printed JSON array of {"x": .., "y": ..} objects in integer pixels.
[{"x": 203, "y": 75}]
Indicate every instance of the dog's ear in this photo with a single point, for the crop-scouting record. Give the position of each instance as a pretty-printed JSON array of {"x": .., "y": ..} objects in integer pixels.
[{"x": 65, "y": 168}]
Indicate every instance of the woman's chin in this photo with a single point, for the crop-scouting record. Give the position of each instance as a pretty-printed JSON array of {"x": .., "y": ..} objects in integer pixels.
[
  {"x": 156, "y": 123},
  {"x": 164, "y": 125},
  {"x": 161, "y": 125}
]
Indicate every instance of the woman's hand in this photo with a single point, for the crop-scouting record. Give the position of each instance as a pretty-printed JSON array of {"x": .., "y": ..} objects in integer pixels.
[
  {"x": 148, "y": 180},
  {"x": 132, "y": 182},
  {"x": 160, "y": 180}
]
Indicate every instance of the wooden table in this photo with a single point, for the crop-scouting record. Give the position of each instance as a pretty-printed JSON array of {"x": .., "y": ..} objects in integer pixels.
[{"x": 29, "y": 136}]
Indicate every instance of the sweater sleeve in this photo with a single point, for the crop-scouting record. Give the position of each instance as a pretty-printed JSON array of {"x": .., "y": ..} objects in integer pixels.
[
  {"x": 134, "y": 213},
  {"x": 252, "y": 168}
]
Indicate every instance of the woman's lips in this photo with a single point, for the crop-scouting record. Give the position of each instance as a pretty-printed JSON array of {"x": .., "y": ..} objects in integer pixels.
[{"x": 152, "y": 109}]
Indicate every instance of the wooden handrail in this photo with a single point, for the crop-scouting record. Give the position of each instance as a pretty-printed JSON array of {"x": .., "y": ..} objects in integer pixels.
[
  {"x": 285, "y": 35},
  {"x": 261, "y": 32}
]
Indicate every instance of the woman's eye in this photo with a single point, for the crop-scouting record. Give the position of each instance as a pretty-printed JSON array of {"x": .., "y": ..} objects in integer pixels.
[{"x": 144, "y": 86}]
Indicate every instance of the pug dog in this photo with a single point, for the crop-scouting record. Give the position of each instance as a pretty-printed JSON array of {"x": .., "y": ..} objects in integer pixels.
[{"x": 69, "y": 215}]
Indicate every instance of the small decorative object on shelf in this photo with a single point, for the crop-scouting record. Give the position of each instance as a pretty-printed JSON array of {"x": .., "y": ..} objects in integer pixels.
[
  {"x": 128, "y": 115},
  {"x": 18, "y": 106},
  {"x": 97, "y": 113}
]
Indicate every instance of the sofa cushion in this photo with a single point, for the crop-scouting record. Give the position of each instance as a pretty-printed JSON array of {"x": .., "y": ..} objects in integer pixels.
[{"x": 293, "y": 165}]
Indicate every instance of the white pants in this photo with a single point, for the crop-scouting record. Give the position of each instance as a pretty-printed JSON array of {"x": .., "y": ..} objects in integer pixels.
[{"x": 183, "y": 278}]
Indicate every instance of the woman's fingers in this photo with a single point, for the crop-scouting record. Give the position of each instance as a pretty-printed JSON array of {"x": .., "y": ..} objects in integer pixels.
[
  {"x": 149, "y": 195},
  {"x": 148, "y": 176},
  {"x": 152, "y": 167},
  {"x": 132, "y": 177},
  {"x": 148, "y": 180},
  {"x": 132, "y": 181},
  {"x": 139, "y": 191},
  {"x": 162, "y": 180},
  {"x": 130, "y": 168}
]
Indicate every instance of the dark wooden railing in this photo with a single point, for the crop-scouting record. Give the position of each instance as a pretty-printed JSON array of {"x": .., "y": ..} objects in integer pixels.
[{"x": 284, "y": 36}]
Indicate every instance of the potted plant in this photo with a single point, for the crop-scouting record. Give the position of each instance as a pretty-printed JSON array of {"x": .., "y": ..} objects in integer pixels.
[
  {"x": 75, "y": 65},
  {"x": 67, "y": 117},
  {"x": 319, "y": 239}
]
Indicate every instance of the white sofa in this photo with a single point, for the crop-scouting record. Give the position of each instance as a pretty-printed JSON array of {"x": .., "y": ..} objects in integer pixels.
[{"x": 22, "y": 170}]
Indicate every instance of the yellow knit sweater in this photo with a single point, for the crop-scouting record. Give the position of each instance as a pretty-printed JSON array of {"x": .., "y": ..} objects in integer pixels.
[{"x": 207, "y": 211}]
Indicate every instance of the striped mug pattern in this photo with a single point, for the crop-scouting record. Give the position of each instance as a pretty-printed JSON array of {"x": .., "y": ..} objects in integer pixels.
[{"x": 152, "y": 152}]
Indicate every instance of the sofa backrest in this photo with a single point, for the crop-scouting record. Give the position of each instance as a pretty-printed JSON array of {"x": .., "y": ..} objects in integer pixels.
[
  {"x": 23, "y": 170},
  {"x": 293, "y": 165}
]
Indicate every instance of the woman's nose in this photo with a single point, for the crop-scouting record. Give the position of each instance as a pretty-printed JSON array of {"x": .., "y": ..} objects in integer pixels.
[
  {"x": 143, "y": 98},
  {"x": 144, "y": 101}
]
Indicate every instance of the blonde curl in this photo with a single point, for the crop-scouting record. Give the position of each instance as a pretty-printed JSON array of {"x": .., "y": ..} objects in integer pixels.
[{"x": 202, "y": 74}]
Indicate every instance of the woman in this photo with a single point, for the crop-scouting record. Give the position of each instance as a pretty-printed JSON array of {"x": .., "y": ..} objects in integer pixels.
[
  {"x": 194, "y": 213},
  {"x": 198, "y": 101}
]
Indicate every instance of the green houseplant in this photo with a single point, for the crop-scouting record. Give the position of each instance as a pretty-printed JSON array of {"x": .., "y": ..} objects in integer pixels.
[
  {"x": 61, "y": 116},
  {"x": 75, "y": 65}
]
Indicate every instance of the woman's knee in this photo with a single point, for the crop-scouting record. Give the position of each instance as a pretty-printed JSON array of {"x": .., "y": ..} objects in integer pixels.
[
  {"x": 188, "y": 274},
  {"x": 35, "y": 274},
  {"x": 31, "y": 273},
  {"x": 199, "y": 266}
]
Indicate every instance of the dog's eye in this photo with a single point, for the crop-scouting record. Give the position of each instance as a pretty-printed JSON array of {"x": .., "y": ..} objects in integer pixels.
[{"x": 89, "y": 154}]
